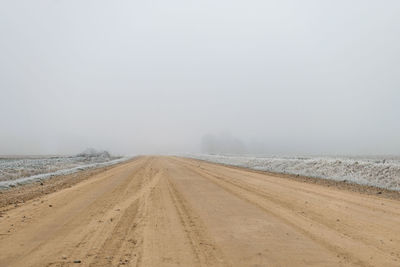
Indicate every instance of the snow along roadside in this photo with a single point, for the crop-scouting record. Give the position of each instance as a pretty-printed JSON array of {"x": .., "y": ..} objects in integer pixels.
[
  {"x": 364, "y": 171},
  {"x": 43, "y": 176}
]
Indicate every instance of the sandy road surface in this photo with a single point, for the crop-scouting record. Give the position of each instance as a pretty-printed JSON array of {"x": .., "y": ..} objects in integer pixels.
[{"x": 166, "y": 211}]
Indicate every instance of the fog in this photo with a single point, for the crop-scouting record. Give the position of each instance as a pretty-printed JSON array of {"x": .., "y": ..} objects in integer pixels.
[{"x": 146, "y": 77}]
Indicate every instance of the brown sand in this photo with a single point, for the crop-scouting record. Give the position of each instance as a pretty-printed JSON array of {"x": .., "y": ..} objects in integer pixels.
[{"x": 168, "y": 211}]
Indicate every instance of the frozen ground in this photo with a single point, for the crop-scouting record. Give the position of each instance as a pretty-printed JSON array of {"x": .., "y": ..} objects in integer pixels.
[
  {"x": 19, "y": 170},
  {"x": 383, "y": 172}
]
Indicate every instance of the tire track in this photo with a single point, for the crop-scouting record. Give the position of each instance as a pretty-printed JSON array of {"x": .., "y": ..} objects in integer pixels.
[
  {"x": 319, "y": 232},
  {"x": 204, "y": 248}
]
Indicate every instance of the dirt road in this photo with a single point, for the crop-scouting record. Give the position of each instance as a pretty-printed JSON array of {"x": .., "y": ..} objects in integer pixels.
[{"x": 167, "y": 211}]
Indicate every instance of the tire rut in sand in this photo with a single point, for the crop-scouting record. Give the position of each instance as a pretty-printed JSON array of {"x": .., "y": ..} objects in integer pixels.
[
  {"x": 88, "y": 229},
  {"x": 114, "y": 237},
  {"x": 123, "y": 245},
  {"x": 297, "y": 221},
  {"x": 203, "y": 247}
]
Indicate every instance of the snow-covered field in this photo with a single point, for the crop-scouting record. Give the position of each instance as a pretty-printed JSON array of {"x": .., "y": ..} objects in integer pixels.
[
  {"x": 383, "y": 172},
  {"x": 20, "y": 170}
]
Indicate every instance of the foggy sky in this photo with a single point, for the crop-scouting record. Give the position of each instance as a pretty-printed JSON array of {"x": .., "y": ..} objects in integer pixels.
[{"x": 283, "y": 77}]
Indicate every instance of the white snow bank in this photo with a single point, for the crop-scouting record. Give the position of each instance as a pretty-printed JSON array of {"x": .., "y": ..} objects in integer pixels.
[
  {"x": 374, "y": 171},
  {"x": 42, "y": 176},
  {"x": 12, "y": 168}
]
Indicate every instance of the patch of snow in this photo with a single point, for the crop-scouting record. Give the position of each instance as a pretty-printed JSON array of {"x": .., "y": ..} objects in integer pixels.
[
  {"x": 12, "y": 168},
  {"x": 374, "y": 171},
  {"x": 43, "y": 176}
]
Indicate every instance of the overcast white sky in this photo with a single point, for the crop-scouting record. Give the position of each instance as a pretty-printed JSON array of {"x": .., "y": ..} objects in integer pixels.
[{"x": 298, "y": 77}]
